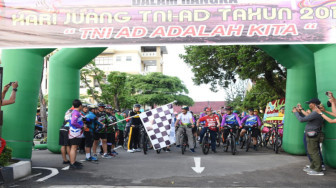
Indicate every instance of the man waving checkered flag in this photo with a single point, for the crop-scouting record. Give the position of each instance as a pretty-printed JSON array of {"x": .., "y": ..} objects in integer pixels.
[{"x": 157, "y": 123}]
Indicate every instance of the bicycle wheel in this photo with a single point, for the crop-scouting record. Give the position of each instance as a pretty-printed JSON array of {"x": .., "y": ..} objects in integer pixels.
[
  {"x": 259, "y": 141},
  {"x": 228, "y": 140},
  {"x": 218, "y": 140},
  {"x": 183, "y": 145},
  {"x": 248, "y": 142},
  {"x": 276, "y": 146},
  {"x": 206, "y": 144},
  {"x": 233, "y": 145},
  {"x": 243, "y": 142},
  {"x": 144, "y": 144}
]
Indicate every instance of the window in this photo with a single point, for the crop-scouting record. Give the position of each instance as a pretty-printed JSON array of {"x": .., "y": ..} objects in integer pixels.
[
  {"x": 118, "y": 58},
  {"x": 128, "y": 58}
]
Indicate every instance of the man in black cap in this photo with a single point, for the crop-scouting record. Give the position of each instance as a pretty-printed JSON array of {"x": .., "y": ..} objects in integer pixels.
[{"x": 312, "y": 131}]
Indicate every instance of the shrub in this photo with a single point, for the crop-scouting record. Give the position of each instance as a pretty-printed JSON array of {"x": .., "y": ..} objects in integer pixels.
[{"x": 5, "y": 156}]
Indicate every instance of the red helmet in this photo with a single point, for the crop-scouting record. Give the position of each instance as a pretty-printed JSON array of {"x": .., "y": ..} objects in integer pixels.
[{"x": 208, "y": 110}]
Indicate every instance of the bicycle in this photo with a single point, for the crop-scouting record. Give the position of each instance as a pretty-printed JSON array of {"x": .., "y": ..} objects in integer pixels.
[
  {"x": 184, "y": 140},
  {"x": 218, "y": 138},
  {"x": 231, "y": 140},
  {"x": 206, "y": 142},
  {"x": 145, "y": 141},
  {"x": 247, "y": 139},
  {"x": 273, "y": 138}
]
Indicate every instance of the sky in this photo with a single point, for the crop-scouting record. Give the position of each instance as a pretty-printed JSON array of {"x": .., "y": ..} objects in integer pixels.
[{"x": 174, "y": 66}]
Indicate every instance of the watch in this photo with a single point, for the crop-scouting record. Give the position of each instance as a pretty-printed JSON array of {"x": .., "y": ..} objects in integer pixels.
[
  {"x": 321, "y": 113},
  {"x": 15, "y": 89}
]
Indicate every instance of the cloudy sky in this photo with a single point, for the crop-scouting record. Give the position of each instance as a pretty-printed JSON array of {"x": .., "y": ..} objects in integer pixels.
[{"x": 174, "y": 66}]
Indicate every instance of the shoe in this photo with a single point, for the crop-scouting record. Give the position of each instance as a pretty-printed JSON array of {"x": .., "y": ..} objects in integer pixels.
[
  {"x": 255, "y": 148},
  {"x": 214, "y": 151},
  {"x": 323, "y": 168},
  {"x": 101, "y": 153},
  {"x": 106, "y": 156},
  {"x": 75, "y": 167},
  {"x": 94, "y": 158},
  {"x": 192, "y": 150},
  {"x": 178, "y": 146},
  {"x": 111, "y": 154},
  {"x": 130, "y": 151},
  {"x": 307, "y": 169},
  {"x": 78, "y": 163},
  {"x": 88, "y": 159},
  {"x": 137, "y": 150},
  {"x": 307, "y": 166},
  {"x": 114, "y": 152},
  {"x": 66, "y": 162},
  {"x": 314, "y": 173},
  {"x": 168, "y": 150},
  {"x": 95, "y": 155}
]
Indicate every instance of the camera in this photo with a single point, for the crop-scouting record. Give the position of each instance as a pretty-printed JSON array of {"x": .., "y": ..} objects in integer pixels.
[
  {"x": 329, "y": 104},
  {"x": 327, "y": 93}
]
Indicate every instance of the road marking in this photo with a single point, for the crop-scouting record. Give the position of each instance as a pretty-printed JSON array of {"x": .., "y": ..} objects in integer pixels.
[
  {"x": 198, "y": 169},
  {"x": 66, "y": 168},
  {"x": 54, "y": 172},
  {"x": 30, "y": 177}
]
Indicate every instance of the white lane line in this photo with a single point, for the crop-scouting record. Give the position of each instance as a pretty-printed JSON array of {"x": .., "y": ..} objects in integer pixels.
[
  {"x": 66, "y": 168},
  {"x": 54, "y": 172},
  {"x": 30, "y": 177}
]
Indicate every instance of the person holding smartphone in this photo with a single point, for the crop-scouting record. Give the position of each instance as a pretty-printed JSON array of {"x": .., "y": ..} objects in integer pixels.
[{"x": 12, "y": 98}]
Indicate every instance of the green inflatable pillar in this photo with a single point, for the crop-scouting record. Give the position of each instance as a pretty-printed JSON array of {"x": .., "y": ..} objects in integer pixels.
[
  {"x": 301, "y": 87},
  {"x": 325, "y": 75},
  {"x": 64, "y": 80},
  {"x": 24, "y": 66}
]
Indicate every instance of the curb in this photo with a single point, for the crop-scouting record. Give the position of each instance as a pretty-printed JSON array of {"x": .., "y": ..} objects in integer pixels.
[{"x": 15, "y": 171}]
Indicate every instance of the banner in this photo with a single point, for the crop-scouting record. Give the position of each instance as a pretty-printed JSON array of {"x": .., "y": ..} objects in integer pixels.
[
  {"x": 273, "y": 113},
  {"x": 60, "y": 23}
]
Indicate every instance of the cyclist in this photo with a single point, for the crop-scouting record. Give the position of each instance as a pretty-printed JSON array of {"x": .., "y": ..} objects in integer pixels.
[
  {"x": 134, "y": 134},
  {"x": 202, "y": 123},
  {"x": 187, "y": 123},
  {"x": 211, "y": 123},
  {"x": 249, "y": 121},
  {"x": 229, "y": 120},
  {"x": 89, "y": 120},
  {"x": 110, "y": 132},
  {"x": 100, "y": 131}
]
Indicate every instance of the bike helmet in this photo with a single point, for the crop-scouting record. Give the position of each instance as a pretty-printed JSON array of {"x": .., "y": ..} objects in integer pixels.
[
  {"x": 251, "y": 109},
  {"x": 208, "y": 109},
  {"x": 101, "y": 105},
  {"x": 236, "y": 111},
  {"x": 137, "y": 106},
  {"x": 228, "y": 108},
  {"x": 205, "y": 108},
  {"x": 185, "y": 108}
]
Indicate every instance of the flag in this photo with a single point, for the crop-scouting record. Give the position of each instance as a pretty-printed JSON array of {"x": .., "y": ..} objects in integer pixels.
[{"x": 157, "y": 124}]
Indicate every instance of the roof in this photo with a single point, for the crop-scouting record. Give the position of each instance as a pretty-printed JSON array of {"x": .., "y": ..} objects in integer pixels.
[{"x": 198, "y": 107}]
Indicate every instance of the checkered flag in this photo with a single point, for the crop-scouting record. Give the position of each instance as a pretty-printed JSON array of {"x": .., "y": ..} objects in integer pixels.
[{"x": 157, "y": 123}]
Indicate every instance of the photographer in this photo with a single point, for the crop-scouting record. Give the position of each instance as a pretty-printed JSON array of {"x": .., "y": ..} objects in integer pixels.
[
  {"x": 332, "y": 104},
  {"x": 12, "y": 98},
  {"x": 312, "y": 130}
]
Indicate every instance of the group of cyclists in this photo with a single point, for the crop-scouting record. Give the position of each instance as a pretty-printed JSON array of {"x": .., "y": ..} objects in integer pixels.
[
  {"x": 105, "y": 128},
  {"x": 219, "y": 125}
]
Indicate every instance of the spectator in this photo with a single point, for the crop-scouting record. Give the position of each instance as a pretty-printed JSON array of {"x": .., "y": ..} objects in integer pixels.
[
  {"x": 312, "y": 130},
  {"x": 12, "y": 98},
  {"x": 322, "y": 110},
  {"x": 121, "y": 127},
  {"x": 75, "y": 133}
]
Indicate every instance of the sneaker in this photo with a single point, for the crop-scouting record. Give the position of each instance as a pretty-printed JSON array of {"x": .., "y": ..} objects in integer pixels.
[
  {"x": 94, "y": 158},
  {"x": 314, "y": 173},
  {"x": 130, "y": 151},
  {"x": 78, "y": 163},
  {"x": 255, "y": 148},
  {"x": 66, "y": 162},
  {"x": 95, "y": 155},
  {"x": 106, "y": 156},
  {"x": 168, "y": 150},
  {"x": 111, "y": 154},
  {"x": 88, "y": 159},
  {"x": 307, "y": 169},
  {"x": 75, "y": 167},
  {"x": 114, "y": 152},
  {"x": 192, "y": 150},
  {"x": 137, "y": 150},
  {"x": 323, "y": 168},
  {"x": 178, "y": 146}
]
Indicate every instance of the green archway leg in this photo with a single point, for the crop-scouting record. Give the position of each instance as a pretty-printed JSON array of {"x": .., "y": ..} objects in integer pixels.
[
  {"x": 325, "y": 75},
  {"x": 64, "y": 75},
  {"x": 24, "y": 66},
  {"x": 301, "y": 87}
]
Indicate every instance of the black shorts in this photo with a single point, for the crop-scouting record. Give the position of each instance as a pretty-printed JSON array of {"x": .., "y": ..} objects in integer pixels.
[
  {"x": 88, "y": 139},
  {"x": 75, "y": 141},
  {"x": 97, "y": 136},
  {"x": 64, "y": 137},
  {"x": 194, "y": 130},
  {"x": 111, "y": 138},
  {"x": 255, "y": 132}
]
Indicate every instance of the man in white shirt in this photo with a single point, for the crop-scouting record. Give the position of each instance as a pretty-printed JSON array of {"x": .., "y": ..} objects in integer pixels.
[{"x": 187, "y": 124}]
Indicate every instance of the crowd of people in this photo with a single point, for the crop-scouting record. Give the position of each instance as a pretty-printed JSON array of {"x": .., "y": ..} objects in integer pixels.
[{"x": 89, "y": 127}]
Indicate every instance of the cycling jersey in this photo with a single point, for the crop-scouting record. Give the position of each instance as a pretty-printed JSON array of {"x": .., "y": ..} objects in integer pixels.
[
  {"x": 110, "y": 128},
  {"x": 136, "y": 121},
  {"x": 210, "y": 121},
  {"x": 185, "y": 118},
  {"x": 102, "y": 122},
  {"x": 251, "y": 121},
  {"x": 232, "y": 119},
  {"x": 202, "y": 115}
]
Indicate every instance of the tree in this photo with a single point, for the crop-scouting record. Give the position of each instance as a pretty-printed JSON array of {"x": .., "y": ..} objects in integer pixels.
[
  {"x": 236, "y": 90},
  {"x": 219, "y": 65},
  {"x": 116, "y": 91},
  {"x": 158, "y": 89},
  {"x": 91, "y": 73}
]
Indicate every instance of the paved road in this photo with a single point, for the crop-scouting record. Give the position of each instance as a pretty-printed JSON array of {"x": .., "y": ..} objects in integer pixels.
[{"x": 254, "y": 169}]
